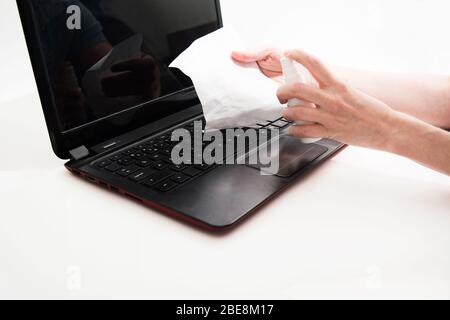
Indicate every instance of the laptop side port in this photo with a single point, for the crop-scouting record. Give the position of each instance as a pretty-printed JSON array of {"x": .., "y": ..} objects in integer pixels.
[
  {"x": 91, "y": 179},
  {"x": 105, "y": 185},
  {"x": 132, "y": 197}
]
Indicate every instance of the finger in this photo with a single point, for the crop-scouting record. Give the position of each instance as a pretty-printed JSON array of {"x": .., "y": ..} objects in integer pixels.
[
  {"x": 303, "y": 92},
  {"x": 319, "y": 71},
  {"x": 248, "y": 57},
  {"x": 308, "y": 131},
  {"x": 303, "y": 114},
  {"x": 271, "y": 63},
  {"x": 304, "y": 104}
]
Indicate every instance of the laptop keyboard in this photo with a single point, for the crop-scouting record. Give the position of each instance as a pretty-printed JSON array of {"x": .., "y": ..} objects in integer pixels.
[{"x": 149, "y": 162}]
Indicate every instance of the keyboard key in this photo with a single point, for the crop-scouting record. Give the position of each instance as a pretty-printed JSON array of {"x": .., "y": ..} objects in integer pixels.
[
  {"x": 151, "y": 150},
  {"x": 150, "y": 164},
  {"x": 136, "y": 155},
  {"x": 178, "y": 168},
  {"x": 159, "y": 144},
  {"x": 179, "y": 178},
  {"x": 125, "y": 161},
  {"x": 113, "y": 167},
  {"x": 157, "y": 177},
  {"x": 115, "y": 158},
  {"x": 155, "y": 157},
  {"x": 148, "y": 144},
  {"x": 169, "y": 141},
  {"x": 264, "y": 123},
  {"x": 139, "y": 176},
  {"x": 103, "y": 163},
  {"x": 202, "y": 167},
  {"x": 130, "y": 151},
  {"x": 166, "y": 186},
  {"x": 147, "y": 150},
  {"x": 192, "y": 172},
  {"x": 160, "y": 165},
  {"x": 167, "y": 160},
  {"x": 125, "y": 172},
  {"x": 166, "y": 150},
  {"x": 143, "y": 163},
  {"x": 280, "y": 124},
  {"x": 272, "y": 127}
]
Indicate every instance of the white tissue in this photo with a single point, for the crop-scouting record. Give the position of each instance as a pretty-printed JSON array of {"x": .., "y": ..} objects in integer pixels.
[{"x": 232, "y": 95}]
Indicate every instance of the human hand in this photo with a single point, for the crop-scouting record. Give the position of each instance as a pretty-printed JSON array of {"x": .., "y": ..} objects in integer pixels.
[
  {"x": 268, "y": 61},
  {"x": 134, "y": 77},
  {"x": 343, "y": 113}
]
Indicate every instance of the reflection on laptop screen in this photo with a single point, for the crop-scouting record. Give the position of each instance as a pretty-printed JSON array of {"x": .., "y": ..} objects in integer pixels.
[{"x": 106, "y": 56}]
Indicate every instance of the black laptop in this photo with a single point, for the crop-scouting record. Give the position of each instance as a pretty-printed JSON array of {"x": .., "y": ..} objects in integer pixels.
[{"x": 111, "y": 104}]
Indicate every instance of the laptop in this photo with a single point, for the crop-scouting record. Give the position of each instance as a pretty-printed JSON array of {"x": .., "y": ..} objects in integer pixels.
[{"x": 112, "y": 104}]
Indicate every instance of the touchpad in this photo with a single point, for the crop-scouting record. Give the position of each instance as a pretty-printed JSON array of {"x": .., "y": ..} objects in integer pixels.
[{"x": 293, "y": 156}]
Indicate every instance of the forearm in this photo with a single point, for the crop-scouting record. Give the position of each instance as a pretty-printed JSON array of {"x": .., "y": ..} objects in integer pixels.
[
  {"x": 419, "y": 141},
  {"x": 425, "y": 97}
]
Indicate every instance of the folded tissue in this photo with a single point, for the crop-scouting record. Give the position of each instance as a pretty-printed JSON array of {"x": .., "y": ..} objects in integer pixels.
[{"x": 233, "y": 95}]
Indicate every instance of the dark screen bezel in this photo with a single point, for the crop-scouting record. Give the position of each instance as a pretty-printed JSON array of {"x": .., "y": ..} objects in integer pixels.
[{"x": 95, "y": 132}]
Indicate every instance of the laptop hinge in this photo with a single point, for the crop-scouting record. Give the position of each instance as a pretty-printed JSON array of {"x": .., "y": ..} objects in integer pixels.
[{"x": 79, "y": 153}]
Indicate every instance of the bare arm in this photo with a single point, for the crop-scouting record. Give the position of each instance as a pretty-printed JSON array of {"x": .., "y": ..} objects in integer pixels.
[
  {"x": 352, "y": 116},
  {"x": 395, "y": 113},
  {"x": 425, "y": 97},
  {"x": 419, "y": 141}
]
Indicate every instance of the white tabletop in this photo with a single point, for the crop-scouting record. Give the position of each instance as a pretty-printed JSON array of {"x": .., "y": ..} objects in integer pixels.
[{"x": 366, "y": 224}]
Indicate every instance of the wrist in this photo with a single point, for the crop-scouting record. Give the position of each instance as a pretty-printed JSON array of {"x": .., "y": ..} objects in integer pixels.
[
  {"x": 386, "y": 130},
  {"x": 402, "y": 130},
  {"x": 396, "y": 132},
  {"x": 418, "y": 141}
]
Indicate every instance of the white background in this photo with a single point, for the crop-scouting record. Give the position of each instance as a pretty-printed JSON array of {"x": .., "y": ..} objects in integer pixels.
[{"x": 364, "y": 225}]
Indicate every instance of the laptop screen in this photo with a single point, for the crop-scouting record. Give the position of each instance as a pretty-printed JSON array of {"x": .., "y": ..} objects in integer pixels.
[{"x": 105, "y": 57}]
